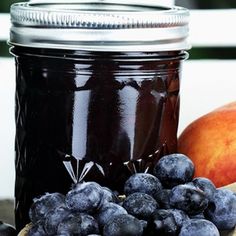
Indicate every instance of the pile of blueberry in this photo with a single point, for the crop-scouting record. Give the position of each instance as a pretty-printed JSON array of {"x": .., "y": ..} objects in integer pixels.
[{"x": 169, "y": 202}]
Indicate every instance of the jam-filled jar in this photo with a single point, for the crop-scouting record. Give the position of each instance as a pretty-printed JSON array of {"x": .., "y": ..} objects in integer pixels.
[{"x": 97, "y": 92}]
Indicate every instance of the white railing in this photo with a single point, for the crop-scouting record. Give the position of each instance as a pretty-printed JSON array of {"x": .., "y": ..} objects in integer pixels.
[{"x": 206, "y": 84}]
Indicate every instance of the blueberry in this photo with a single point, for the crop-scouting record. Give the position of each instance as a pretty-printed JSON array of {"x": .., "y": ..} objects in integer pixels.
[
  {"x": 42, "y": 205},
  {"x": 140, "y": 205},
  {"x": 188, "y": 198},
  {"x": 174, "y": 169},
  {"x": 108, "y": 211},
  {"x": 144, "y": 224},
  {"x": 164, "y": 199},
  {"x": 169, "y": 221},
  {"x": 179, "y": 215},
  {"x": 205, "y": 185},
  {"x": 93, "y": 235},
  {"x": 88, "y": 225},
  {"x": 123, "y": 225},
  {"x": 71, "y": 225},
  {"x": 83, "y": 185},
  {"x": 164, "y": 223},
  {"x": 85, "y": 197},
  {"x": 198, "y": 216},
  {"x": 37, "y": 230},
  {"x": 222, "y": 209},
  {"x": 7, "y": 230},
  {"x": 54, "y": 218},
  {"x": 108, "y": 196},
  {"x": 198, "y": 227},
  {"x": 144, "y": 183}
]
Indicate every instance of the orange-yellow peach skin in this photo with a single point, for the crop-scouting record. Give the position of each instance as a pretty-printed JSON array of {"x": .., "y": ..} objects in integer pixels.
[{"x": 210, "y": 142}]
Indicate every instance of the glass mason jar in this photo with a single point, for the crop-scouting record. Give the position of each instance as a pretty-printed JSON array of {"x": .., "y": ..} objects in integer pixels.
[{"x": 97, "y": 92}]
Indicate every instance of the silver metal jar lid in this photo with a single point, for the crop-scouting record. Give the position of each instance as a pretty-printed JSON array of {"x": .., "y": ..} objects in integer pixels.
[{"x": 99, "y": 25}]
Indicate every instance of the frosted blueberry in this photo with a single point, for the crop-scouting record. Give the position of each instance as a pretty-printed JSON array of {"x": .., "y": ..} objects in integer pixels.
[
  {"x": 164, "y": 223},
  {"x": 85, "y": 197},
  {"x": 7, "y": 229},
  {"x": 174, "y": 169},
  {"x": 188, "y": 198},
  {"x": 140, "y": 205},
  {"x": 108, "y": 211},
  {"x": 37, "y": 230},
  {"x": 88, "y": 225},
  {"x": 198, "y": 216},
  {"x": 54, "y": 218},
  {"x": 198, "y": 227},
  {"x": 144, "y": 224},
  {"x": 84, "y": 185},
  {"x": 93, "y": 235},
  {"x": 71, "y": 225},
  {"x": 163, "y": 199},
  {"x": 179, "y": 215},
  {"x": 222, "y": 209},
  {"x": 144, "y": 183},
  {"x": 123, "y": 225},
  {"x": 205, "y": 185},
  {"x": 168, "y": 221},
  {"x": 42, "y": 205},
  {"x": 108, "y": 196}
]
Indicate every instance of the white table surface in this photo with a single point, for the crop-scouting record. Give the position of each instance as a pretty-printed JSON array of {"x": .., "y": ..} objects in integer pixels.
[{"x": 205, "y": 85}]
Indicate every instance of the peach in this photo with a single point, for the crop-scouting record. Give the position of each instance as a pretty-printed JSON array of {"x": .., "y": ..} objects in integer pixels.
[{"x": 210, "y": 141}]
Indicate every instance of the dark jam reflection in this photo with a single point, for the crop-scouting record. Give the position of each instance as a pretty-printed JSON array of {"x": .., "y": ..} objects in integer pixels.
[{"x": 90, "y": 116}]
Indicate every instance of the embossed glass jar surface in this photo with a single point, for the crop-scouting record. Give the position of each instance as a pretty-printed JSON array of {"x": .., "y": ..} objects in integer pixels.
[{"x": 99, "y": 110}]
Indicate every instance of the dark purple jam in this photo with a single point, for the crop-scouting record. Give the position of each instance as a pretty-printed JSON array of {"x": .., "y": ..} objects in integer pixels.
[{"x": 102, "y": 115}]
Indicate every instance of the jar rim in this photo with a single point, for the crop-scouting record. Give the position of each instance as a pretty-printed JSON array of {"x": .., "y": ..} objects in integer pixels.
[{"x": 99, "y": 25}]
